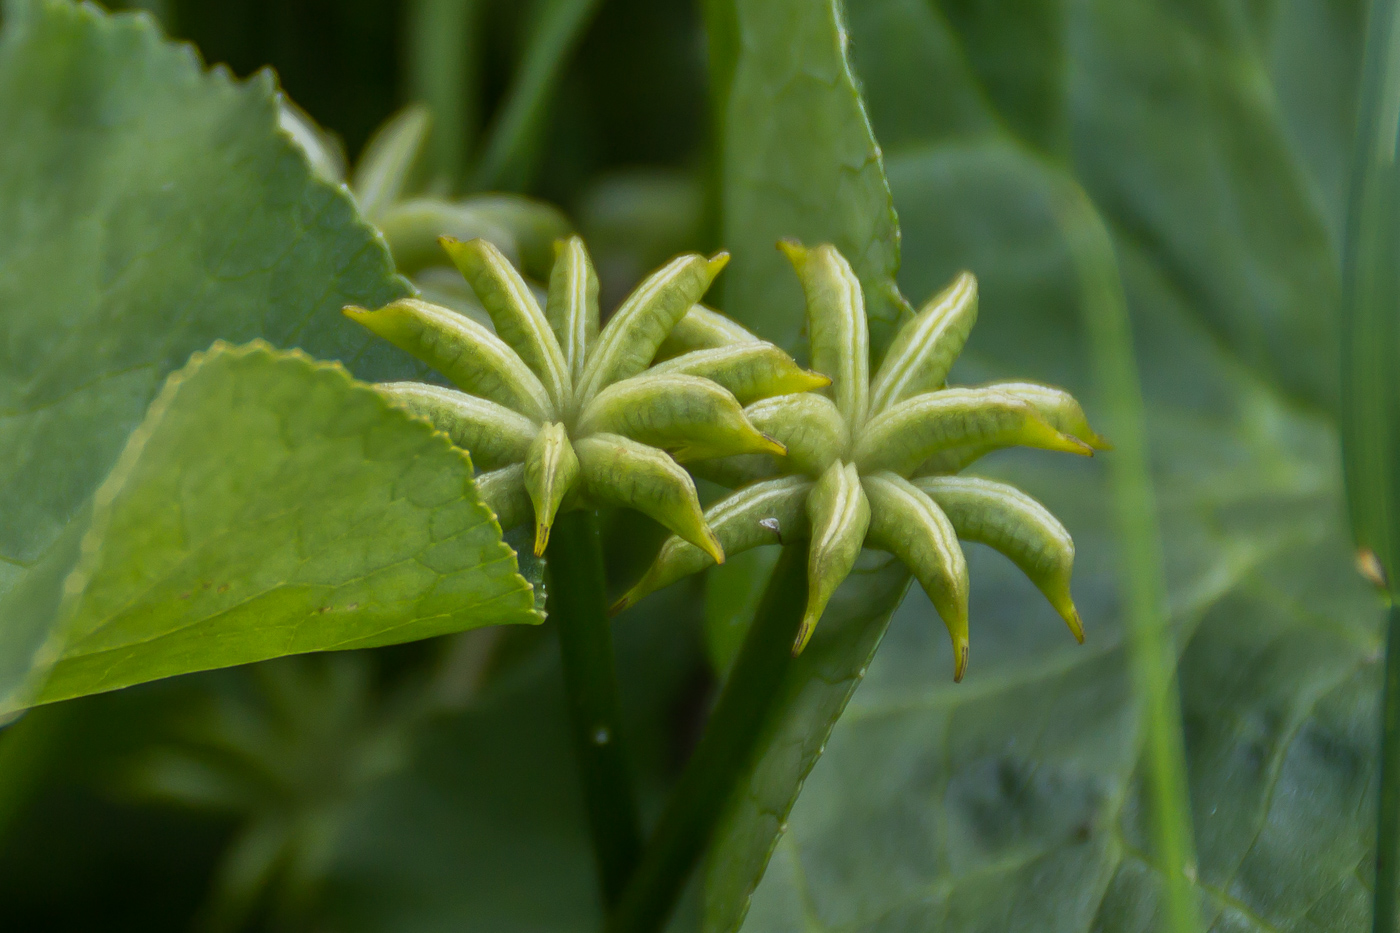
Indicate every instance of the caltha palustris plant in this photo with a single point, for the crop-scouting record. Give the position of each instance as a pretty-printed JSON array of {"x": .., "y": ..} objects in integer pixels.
[
  {"x": 872, "y": 462},
  {"x": 561, "y": 415}
]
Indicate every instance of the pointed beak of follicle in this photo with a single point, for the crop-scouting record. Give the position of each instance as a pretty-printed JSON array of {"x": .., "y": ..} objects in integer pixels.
[{"x": 772, "y": 445}]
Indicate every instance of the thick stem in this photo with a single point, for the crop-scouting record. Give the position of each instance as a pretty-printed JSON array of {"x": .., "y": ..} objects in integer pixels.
[
  {"x": 578, "y": 605},
  {"x": 1388, "y": 817},
  {"x": 724, "y": 752}
]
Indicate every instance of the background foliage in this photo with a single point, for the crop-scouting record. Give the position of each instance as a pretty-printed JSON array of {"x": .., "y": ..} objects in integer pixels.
[{"x": 431, "y": 784}]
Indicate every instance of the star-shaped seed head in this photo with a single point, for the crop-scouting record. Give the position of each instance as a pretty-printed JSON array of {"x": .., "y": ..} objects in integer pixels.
[
  {"x": 562, "y": 414},
  {"x": 870, "y": 462}
]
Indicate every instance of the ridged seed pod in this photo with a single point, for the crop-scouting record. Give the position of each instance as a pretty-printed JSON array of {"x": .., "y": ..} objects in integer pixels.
[
  {"x": 872, "y": 458},
  {"x": 563, "y": 414}
]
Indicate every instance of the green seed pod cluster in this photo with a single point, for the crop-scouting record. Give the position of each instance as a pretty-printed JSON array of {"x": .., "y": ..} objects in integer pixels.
[
  {"x": 561, "y": 413},
  {"x": 870, "y": 462}
]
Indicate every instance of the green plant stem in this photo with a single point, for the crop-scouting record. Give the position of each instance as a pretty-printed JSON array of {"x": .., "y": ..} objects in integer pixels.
[
  {"x": 725, "y": 749},
  {"x": 442, "y": 73},
  {"x": 578, "y": 606},
  {"x": 1152, "y": 648},
  {"x": 1388, "y": 813},
  {"x": 1370, "y": 410},
  {"x": 512, "y": 150}
]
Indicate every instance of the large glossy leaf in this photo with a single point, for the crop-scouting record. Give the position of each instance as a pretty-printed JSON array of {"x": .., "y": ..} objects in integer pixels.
[
  {"x": 1180, "y": 139},
  {"x": 270, "y": 505},
  {"x": 147, "y": 207},
  {"x": 1013, "y": 801},
  {"x": 799, "y": 161}
]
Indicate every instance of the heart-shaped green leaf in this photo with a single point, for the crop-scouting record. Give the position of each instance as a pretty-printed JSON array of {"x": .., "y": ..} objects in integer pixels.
[
  {"x": 270, "y": 505},
  {"x": 147, "y": 207}
]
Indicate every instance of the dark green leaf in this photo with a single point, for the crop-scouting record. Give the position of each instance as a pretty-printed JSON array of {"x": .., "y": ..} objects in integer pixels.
[
  {"x": 800, "y": 161},
  {"x": 269, "y": 505},
  {"x": 1016, "y": 800},
  {"x": 146, "y": 208}
]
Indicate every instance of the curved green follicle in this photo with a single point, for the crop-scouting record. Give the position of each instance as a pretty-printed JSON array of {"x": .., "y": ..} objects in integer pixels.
[
  {"x": 470, "y": 356},
  {"x": 836, "y": 324},
  {"x": 379, "y": 178},
  {"x": 808, "y": 425},
  {"x": 702, "y": 329},
  {"x": 572, "y": 309},
  {"x": 503, "y": 492},
  {"x": 551, "y": 469},
  {"x": 514, "y": 312},
  {"x": 692, "y": 417},
  {"x": 910, "y": 525},
  {"x": 412, "y": 228},
  {"x": 534, "y": 227},
  {"x": 628, "y": 343},
  {"x": 771, "y": 512},
  {"x": 924, "y": 349},
  {"x": 736, "y": 471},
  {"x": 1006, "y": 519},
  {"x": 751, "y": 371},
  {"x": 953, "y": 459},
  {"x": 619, "y": 471},
  {"x": 917, "y": 428},
  {"x": 839, "y": 516},
  {"x": 493, "y": 434},
  {"x": 1056, "y": 406}
]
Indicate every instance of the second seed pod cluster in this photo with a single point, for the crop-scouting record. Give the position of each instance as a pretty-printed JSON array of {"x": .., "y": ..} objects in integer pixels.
[{"x": 560, "y": 414}]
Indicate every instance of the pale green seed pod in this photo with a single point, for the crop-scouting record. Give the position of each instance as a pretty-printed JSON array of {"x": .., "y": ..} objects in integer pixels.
[
  {"x": 751, "y": 371},
  {"x": 772, "y": 512},
  {"x": 534, "y": 225},
  {"x": 628, "y": 343},
  {"x": 383, "y": 169},
  {"x": 836, "y": 325},
  {"x": 740, "y": 470},
  {"x": 619, "y": 471},
  {"x": 953, "y": 459},
  {"x": 572, "y": 308},
  {"x": 702, "y": 329},
  {"x": 839, "y": 516},
  {"x": 412, "y": 228},
  {"x": 551, "y": 468},
  {"x": 517, "y": 317},
  {"x": 924, "y": 349},
  {"x": 910, "y": 525},
  {"x": 1056, "y": 406},
  {"x": 493, "y": 434},
  {"x": 503, "y": 492},
  {"x": 808, "y": 425},
  {"x": 473, "y": 358},
  {"x": 1006, "y": 519},
  {"x": 692, "y": 417},
  {"x": 909, "y": 433}
]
